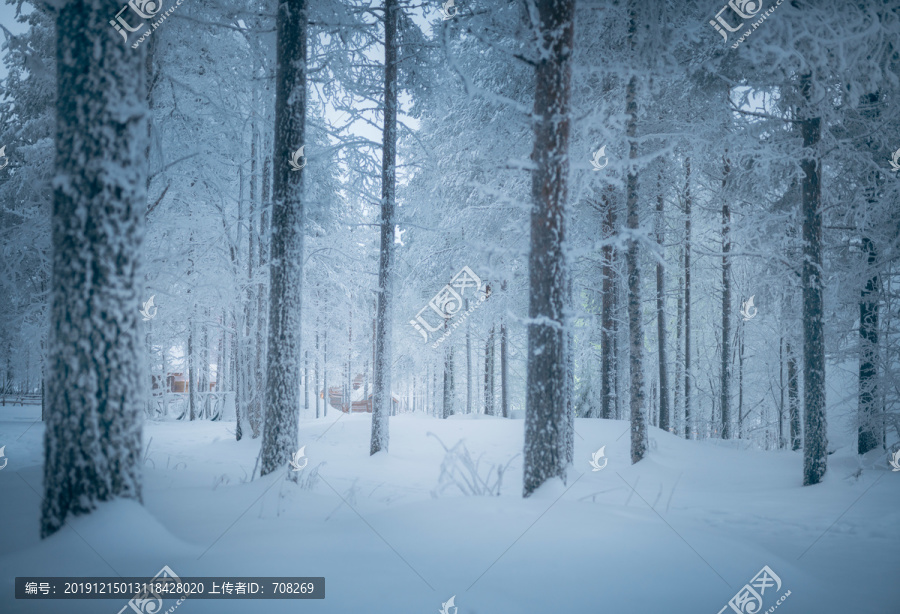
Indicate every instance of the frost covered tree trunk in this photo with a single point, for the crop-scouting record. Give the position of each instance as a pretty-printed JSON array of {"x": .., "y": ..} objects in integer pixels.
[
  {"x": 688, "y": 375},
  {"x": 635, "y": 326},
  {"x": 815, "y": 440},
  {"x": 679, "y": 326},
  {"x": 326, "y": 398},
  {"x": 545, "y": 393},
  {"x": 793, "y": 397},
  {"x": 725, "y": 384},
  {"x": 286, "y": 267},
  {"x": 383, "y": 344},
  {"x": 664, "y": 421},
  {"x": 504, "y": 390},
  {"x": 868, "y": 345},
  {"x": 306, "y": 380},
  {"x": 95, "y": 383},
  {"x": 489, "y": 374},
  {"x": 609, "y": 304},
  {"x": 316, "y": 370},
  {"x": 448, "y": 382}
]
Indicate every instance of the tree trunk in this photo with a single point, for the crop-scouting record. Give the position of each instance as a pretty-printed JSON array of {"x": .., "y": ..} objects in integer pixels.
[
  {"x": 725, "y": 384},
  {"x": 664, "y": 422},
  {"x": 688, "y": 375},
  {"x": 448, "y": 382},
  {"x": 286, "y": 268},
  {"x": 504, "y": 390},
  {"x": 607, "y": 325},
  {"x": 793, "y": 397},
  {"x": 468, "y": 360},
  {"x": 815, "y": 441},
  {"x": 383, "y": 344},
  {"x": 545, "y": 420},
  {"x": 489, "y": 374},
  {"x": 316, "y": 371},
  {"x": 679, "y": 327},
  {"x": 635, "y": 326},
  {"x": 326, "y": 397},
  {"x": 868, "y": 346},
  {"x": 95, "y": 380}
]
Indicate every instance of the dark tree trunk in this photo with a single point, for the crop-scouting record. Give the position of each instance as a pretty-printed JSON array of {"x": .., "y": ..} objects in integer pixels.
[
  {"x": 725, "y": 398},
  {"x": 607, "y": 324},
  {"x": 635, "y": 325},
  {"x": 545, "y": 393},
  {"x": 815, "y": 441},
  {"x": 95, "y": 384},
  {"x": 688, "y": 375},
  {"x": 664, "y": 423},
  {"x": 793, "y": 398},
  {"x": 868, "y": 345},
  {"x": 286, "y": 269},
  {"x": 504, "y": 390},
  {"x": 383, "y": 345}
]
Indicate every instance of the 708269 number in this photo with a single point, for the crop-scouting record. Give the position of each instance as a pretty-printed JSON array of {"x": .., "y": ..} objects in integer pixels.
[{"x": 292, "y": 587}]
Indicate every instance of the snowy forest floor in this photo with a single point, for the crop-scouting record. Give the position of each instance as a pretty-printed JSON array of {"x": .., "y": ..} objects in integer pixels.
[{"x": 701, "y": 520}]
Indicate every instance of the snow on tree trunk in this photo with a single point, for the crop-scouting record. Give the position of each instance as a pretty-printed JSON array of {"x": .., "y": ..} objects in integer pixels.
[
  {"x": 725, "y": 398},
  {"x": 504, "y": 390},
  {"x": 815, "y": 441},
  {"x": 284, "y": 356},
  {"x": 688, "y": 374},
  {"x": 95, "y": 383},
  {"x": 793, "y": 397},
  {"x": 489, "y": 374},
  {"x": 383, "y": 343},
  {"x": 635, "y": 327},
  {"x": 469, "y": 381},
  {"x": 664, "y": 421},
  {"x": 609, "y": 304},
  {"x": 448, "y": 382},
  {"x": 545, "y": 393},
  {"x": 868, "y": 344}
]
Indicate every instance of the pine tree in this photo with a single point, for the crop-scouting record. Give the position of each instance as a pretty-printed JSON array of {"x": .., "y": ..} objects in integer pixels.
[
  {"x": 92, "y": 442},
  {"x": 545, "y": 395},
  {"x": 286, "y": 268}
]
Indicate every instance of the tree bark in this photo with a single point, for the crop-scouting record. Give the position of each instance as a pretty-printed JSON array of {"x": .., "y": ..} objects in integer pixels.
[
  {"x": 383, "y": 345},
  {"x": 95, "y": 383},
  {"x": 688, "y": 375},
  {"x": 793, "y": 397},
  {"x": 725, "y": 384},
  {"x": 607, "y": 325},
  {"x": 280, "y": 435},
  {"x": 545, "y": 420},
  {"x": 868, "y": 346},
  {"x": 664, "y": 422},
  {"x": 815, "y": 440},
  {"x": 504, "y": 390}
]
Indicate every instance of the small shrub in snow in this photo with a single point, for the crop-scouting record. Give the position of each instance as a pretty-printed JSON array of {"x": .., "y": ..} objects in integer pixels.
[{"x": 459, "y": 470}]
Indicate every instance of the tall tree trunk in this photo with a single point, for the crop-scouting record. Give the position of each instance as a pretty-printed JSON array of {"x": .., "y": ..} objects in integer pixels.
[
  {"x": 383, "y": 344},
  {"x": 316, "y": 371},
  {"x": 725, "y": 384},
  {"x": 781, "y": 441},
  {"x": 664, "y": 422},
  {"x": 607, "y": 324},
  {"x": 306, "y": 380},
  {"x": 95, "y": 379},
  {"x": 635, "y": 326},
  {"x": 236, "y": 374},
  {"x": 448, "y": 382},
  {"x": 489, "y": 374},
  {"x": 326, "y": 396},
  {"x": 286, "y": 268},
  {"x": 868, "y": 344},
  {"x": 793, "y": 398},
  {"x": 468, "y": 360},
  {"x": 688, "y": 375},
  {"x": 545, "y": 420},
  {"x": 815, "y": 441},
  {"x": 504, "y": 390},
  {"x": 677, "y": 416}
]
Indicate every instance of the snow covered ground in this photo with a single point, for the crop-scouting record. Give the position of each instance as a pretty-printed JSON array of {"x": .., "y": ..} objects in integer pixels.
[{"x": 681, "y": 532}]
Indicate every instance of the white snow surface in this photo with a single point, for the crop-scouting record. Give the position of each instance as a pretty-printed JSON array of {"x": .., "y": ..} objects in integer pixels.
[{"x": 703, "y": 519}]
